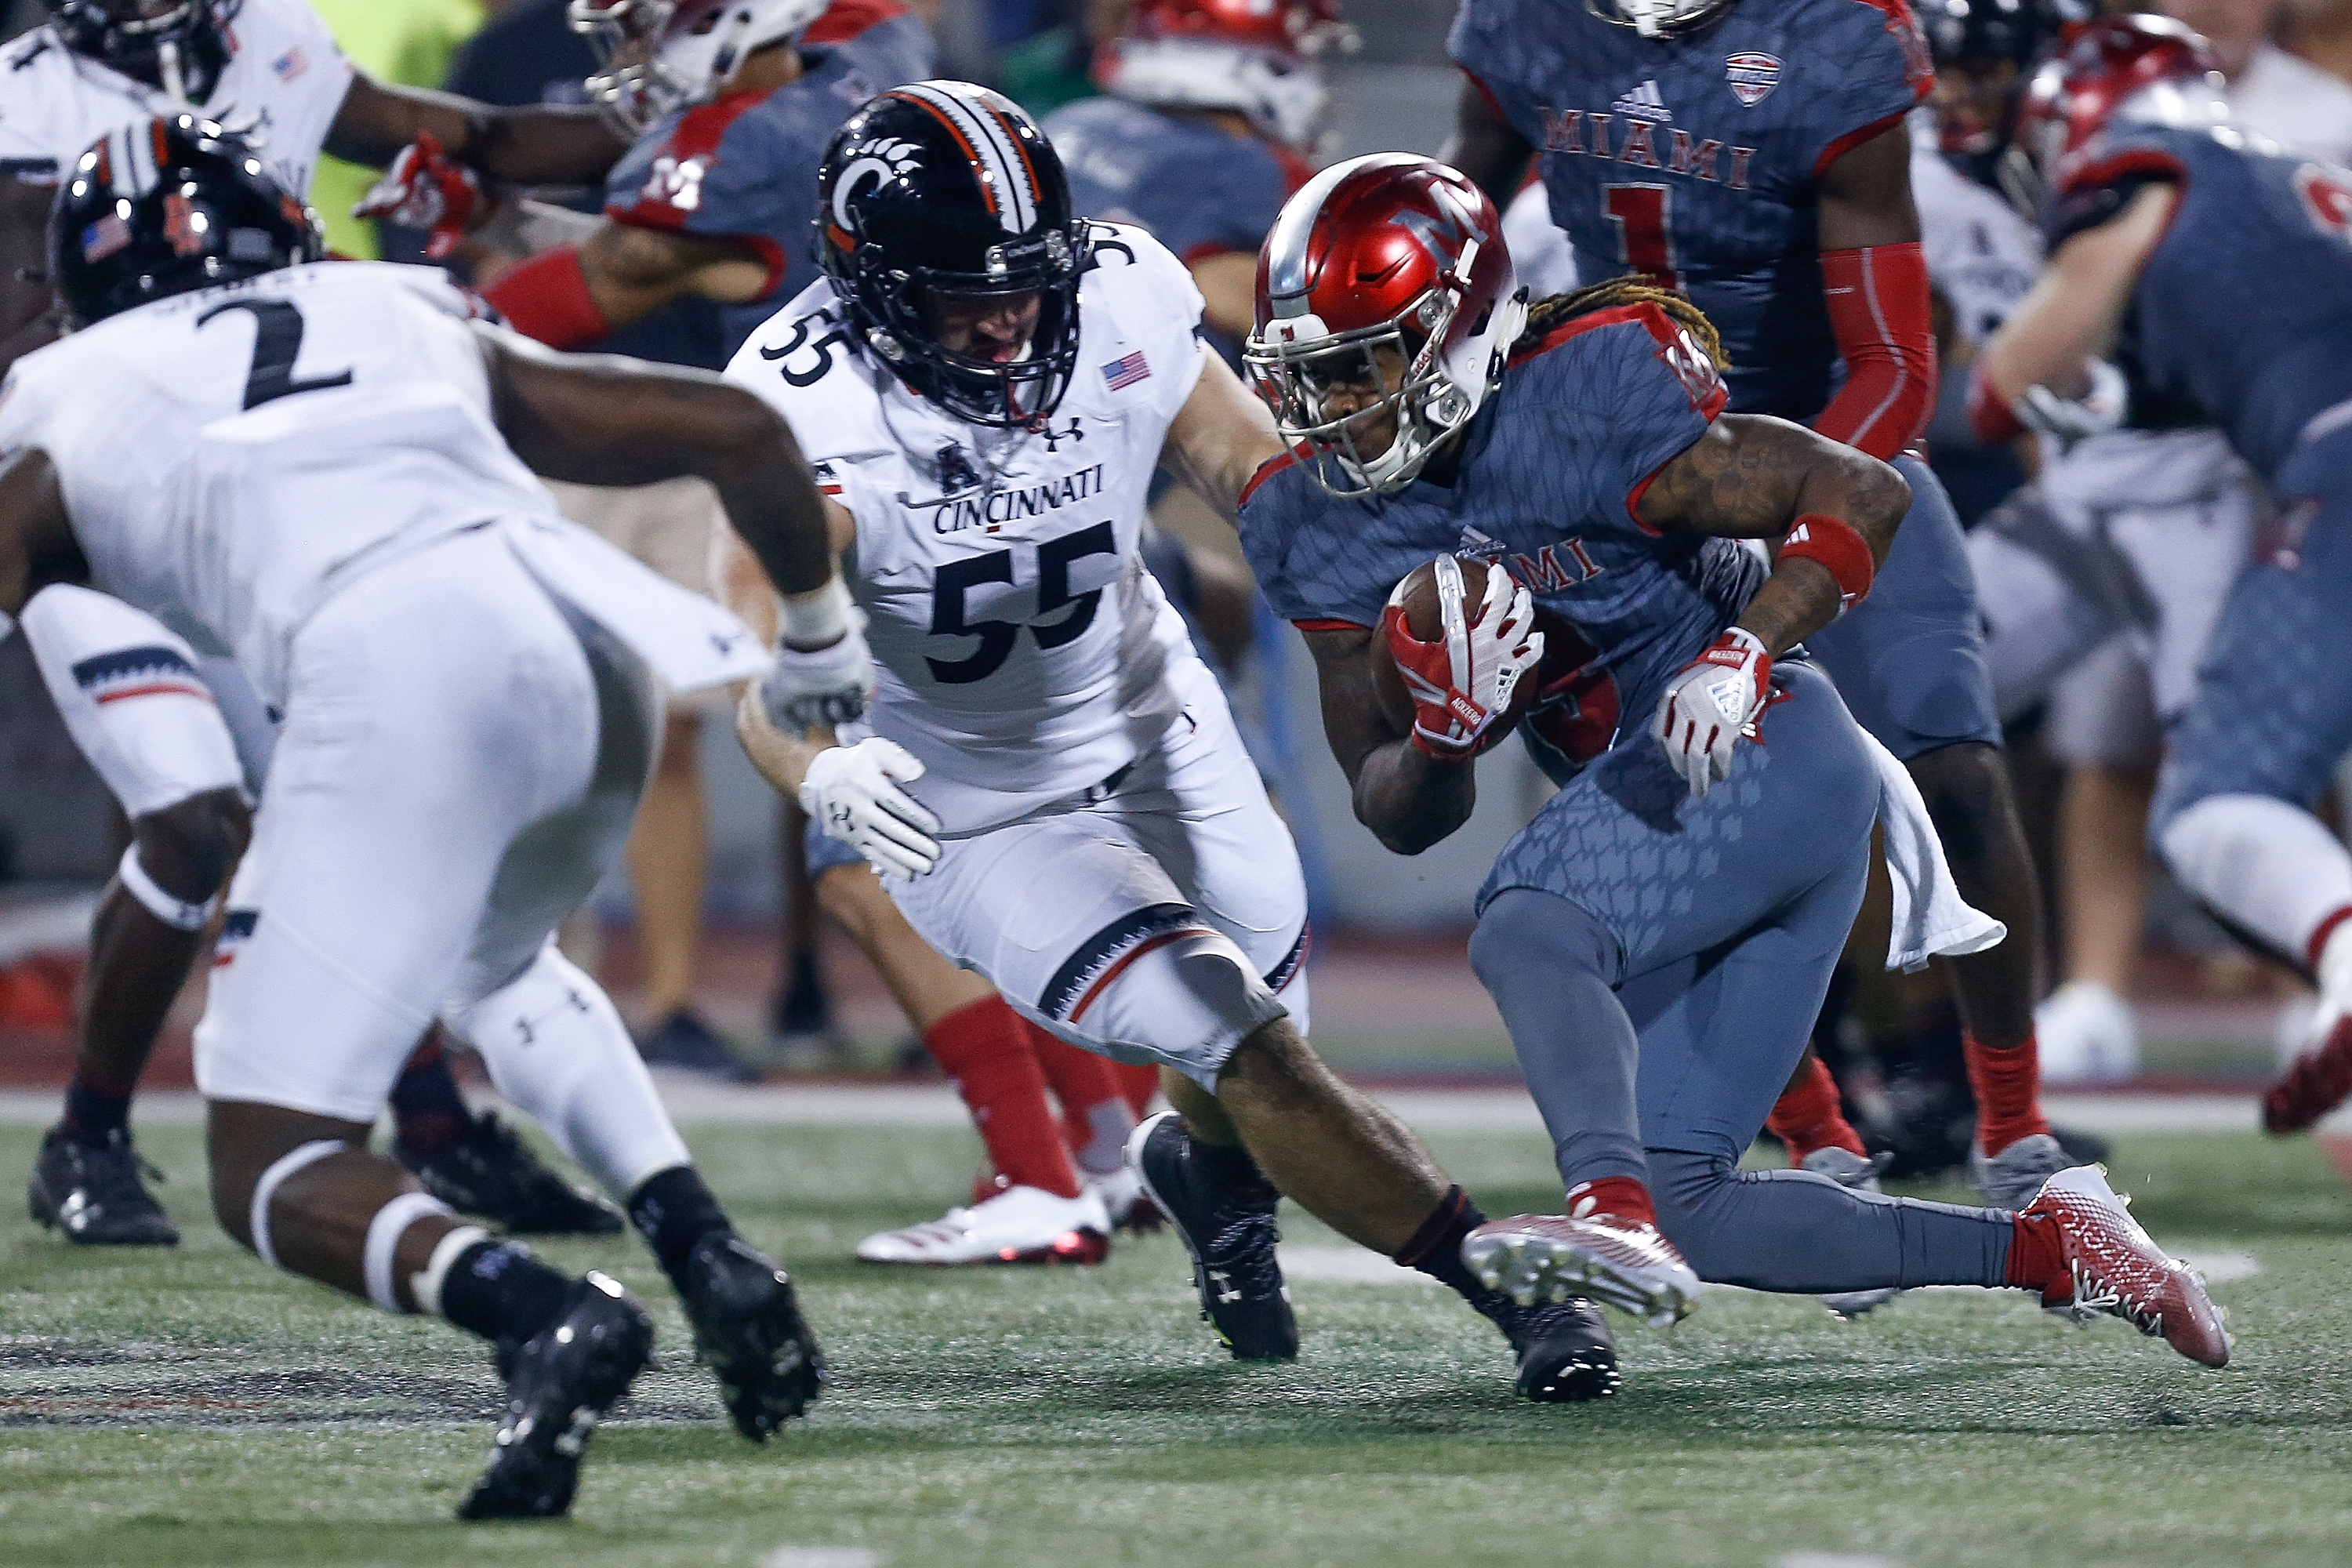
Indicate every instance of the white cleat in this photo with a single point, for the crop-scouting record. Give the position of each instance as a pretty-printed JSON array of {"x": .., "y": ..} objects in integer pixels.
[
  {"x": 1859, "y": 1171},
  {"x": 1019, "y": 1225},
  {"x": 2085, "y": 1033},
  {"x": 2009, "y": 1179},
  {"x": 2115, "y": 1268},
  {"x": 1550, "y": 1258}
]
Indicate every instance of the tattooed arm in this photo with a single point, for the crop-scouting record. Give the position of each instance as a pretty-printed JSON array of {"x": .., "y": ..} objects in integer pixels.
[{"x": 1750, "y": 477}]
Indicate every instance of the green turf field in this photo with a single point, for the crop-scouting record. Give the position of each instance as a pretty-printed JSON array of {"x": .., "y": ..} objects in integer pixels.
[{"x": 195, "y": 1409}]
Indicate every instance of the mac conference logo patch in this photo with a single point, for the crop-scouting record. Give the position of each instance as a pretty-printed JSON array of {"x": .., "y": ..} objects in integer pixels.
[{"x": 1752, "y": 75}]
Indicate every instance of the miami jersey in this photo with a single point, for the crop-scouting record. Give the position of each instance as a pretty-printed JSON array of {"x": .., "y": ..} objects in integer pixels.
[
  {"x": 744, "y": 165},
  {"x": 1695, "y": 159},
  {"x": 281, "y": 90},
  {"x": 1551, "y": 468},
  {"x": 1197, "y": 189},
  {"x": 1024, "y": 653}
]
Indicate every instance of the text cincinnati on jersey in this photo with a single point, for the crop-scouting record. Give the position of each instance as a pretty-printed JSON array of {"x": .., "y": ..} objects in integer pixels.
[{"x": 956, "y": 513}]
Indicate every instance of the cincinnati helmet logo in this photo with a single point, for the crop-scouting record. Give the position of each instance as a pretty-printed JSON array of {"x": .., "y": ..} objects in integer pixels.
[{"x": 878, "y": 161}]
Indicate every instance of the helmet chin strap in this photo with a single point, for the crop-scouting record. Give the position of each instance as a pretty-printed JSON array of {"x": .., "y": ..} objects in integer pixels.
[{"x": 175, "y": 78}]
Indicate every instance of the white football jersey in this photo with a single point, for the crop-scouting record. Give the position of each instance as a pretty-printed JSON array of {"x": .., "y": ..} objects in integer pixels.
[
  {"x": 232, "y": 457},
  {"x": 1024, "y": 653},
  {"x": 1982, "y": 257},
  {"x": 281, "y": 90}
]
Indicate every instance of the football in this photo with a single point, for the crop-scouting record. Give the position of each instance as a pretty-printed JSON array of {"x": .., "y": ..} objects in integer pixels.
[{"x": 1427, "y": 620}]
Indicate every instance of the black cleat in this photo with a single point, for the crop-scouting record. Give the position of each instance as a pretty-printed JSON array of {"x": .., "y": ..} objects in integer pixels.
[
  {"x": 684, "y": 1042},
  {"x": 1231, "y": 1239},
  {"x": 1567, "y": 1354},
  {"x": 559, "y": 1383},
  {"x": 490, "y": 1174},
  {"x": 749, "y": 1330},
  {"x": 92, "y": 1193}
]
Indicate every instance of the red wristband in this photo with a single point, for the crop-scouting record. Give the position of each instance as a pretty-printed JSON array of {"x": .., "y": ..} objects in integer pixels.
[
  {"x": 547, "y": 298},
  {"x": 1833, "y": 542},
  {"x": 1989, "y": 413}
]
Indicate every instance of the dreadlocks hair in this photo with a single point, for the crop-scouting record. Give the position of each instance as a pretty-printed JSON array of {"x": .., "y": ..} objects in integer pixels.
[{"x": 1546, "y": 316}]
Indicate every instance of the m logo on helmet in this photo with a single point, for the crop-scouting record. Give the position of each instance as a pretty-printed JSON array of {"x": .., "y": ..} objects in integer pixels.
[
  {"x": 879, "y": 161},
  {"x": 1443, "y": 233}
]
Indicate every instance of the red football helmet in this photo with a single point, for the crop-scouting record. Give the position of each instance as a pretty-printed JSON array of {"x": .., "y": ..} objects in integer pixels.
[
  {"x": 1254, "y": 56},
  {"x": 2116, "y": 68},
  {"x": 1385, "y": 296}
]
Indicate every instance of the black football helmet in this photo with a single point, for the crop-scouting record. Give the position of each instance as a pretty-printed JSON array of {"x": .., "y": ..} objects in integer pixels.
[
  {"x": 936, "y": 202},
  {"x": 180, "y": 46},
  {"x": 1984, "y": 51},
  {"x": 164, "y": 207}
]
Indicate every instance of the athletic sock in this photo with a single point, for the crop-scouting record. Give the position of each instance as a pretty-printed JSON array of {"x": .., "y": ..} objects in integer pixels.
[
  {"x": 1620, "y": 1197},
  {"x": 428, "y": 1112},
  {"x": 2008, "y": 1087},
  {"x": 499, "y": 1290},
  {"x": 1139, "y": 1083},
  {"x": 1812, "y": 1115},
  {"x": 1231, "y": 1167},
  {"x": 674, "y": 1210},
  {"x": 1095, "y": 1117},
  {"x": 96, "y": 1109},
  {"x": 984, "y": 1048},
  {"x": 1435, "y": 1250},
  {"x": 2322, "y": 936},
  {"x": 2037, "y": 1262}
]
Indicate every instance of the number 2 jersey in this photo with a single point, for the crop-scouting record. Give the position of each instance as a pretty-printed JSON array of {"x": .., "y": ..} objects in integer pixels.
[
  {"x": 1022, "y": 652},
  {"x": 1551, "y": 471},
  {"x": 1695, "y": 158},
  {"x": 230, "y": 457}
]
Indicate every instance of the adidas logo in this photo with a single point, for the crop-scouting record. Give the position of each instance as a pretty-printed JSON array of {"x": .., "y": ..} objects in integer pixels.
[
  {"x": 1643, "y": 103},
  {"x": 1477, "y": 546}
]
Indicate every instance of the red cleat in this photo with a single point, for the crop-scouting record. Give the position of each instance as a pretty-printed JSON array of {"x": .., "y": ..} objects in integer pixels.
[
  {"x": 2113, "y": 1267},
  {"x": 2319, "y": 1081},
  {"x": 1550, "y": 1257}
]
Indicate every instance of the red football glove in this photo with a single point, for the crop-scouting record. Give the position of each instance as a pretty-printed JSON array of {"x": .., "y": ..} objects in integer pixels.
[
  {"x": 1711, "y": 704},
  {"x": 427, "y": 189},
  {"x": 1462, "y": 684}
]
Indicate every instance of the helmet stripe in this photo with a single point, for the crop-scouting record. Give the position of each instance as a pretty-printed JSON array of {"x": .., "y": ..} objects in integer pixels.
[{"x": 995, "y": 154}]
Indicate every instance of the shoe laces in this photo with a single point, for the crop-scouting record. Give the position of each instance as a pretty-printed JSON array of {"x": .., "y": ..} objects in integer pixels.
[
  {"x": 112, "y": 1169},
  {"x": 1242, "y": 1248}
]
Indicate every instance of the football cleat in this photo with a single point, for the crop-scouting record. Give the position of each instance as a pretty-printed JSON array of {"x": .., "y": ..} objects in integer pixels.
[
  {"x": 2319, "y": 1081},
  {"x": 1018, "y": 1225},
  {"x": 491, "y": 1174},
  {"x": 559, "y": 1383},
  {"x": 1859, "y": 1171},
  {"x": 2009, "y": 1179},
  {"x": 1550, "y": 1258},
  {"x": 749, "y": 1330},
  {"x": 1567, "y": 1354},
  {"x": 684, "y": 1043},
  {"x": 93, "y": 1196},
  {"x": 1231, "y": 1237},
  {"x": 1123, "y": 1198},
  {"x": 2113, "y": 1267}
]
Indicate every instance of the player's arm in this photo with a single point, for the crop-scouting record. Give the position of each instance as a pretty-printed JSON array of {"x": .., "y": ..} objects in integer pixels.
[
  {"x": 534, "y": 145},
  {"x": 2057, "y": 335},
  {"x": 1227, "y": 280},
  {"x": 574, "y": 295},
  {"x": 1408, "y": 799},
  {"x": 1833, "y": 508},
  {"x": 1485, "y": 146},
  {"x": 1219, "y": 439},
  {"x": 1874, "y": 276},
  {"x": 27, "y": 304},
  {"x": 36, "y": 542}
]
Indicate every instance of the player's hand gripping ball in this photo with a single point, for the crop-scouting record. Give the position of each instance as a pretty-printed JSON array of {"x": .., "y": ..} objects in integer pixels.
[
  {"x": 1461, "y": 651},
  {"x": 427, "y": 189},
  {"x": 1711, "y": 704}
]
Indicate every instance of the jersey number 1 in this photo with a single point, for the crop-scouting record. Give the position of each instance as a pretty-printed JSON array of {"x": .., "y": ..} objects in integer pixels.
[
  {"x": 1055, "y": 558},
  {"x": 1644, "y": 216},
  {"x": 276, "y": 344}
]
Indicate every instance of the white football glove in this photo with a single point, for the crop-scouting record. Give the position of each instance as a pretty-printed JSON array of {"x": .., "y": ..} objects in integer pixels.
[
  {"x": 828, "y": 686},
  {"x": 1708, "y": 706},
  {"x": 2072, "y": 419},
  {"x": 852, "y": 794},
  {"x": 1463, "y": 683}
]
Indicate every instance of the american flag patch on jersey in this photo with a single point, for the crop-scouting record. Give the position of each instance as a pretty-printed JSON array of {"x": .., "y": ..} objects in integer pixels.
[
  {"x": 1127, "y": 370},
  {"x": 290, "y": 64},
  {"x": 104, "y": 237},
  {"x": 150, "y": 671}
]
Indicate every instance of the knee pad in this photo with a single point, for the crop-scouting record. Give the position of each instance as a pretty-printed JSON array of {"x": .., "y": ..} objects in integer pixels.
[
  {"x": 558, "y": 1052},
  {"x": 129, "y": 692},
  {"x": 1185, "y": 1000}
]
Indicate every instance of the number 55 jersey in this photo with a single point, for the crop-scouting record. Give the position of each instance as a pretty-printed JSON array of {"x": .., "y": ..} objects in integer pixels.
[{"x": 1024, "y": 653}]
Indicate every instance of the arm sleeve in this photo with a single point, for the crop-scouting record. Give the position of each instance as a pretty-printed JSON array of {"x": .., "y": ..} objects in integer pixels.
[{"x": 1880, "y": 316}]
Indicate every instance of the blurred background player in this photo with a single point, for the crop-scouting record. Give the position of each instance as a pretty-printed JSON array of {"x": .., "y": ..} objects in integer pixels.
[
  {"x": 196, "y": 444},
  {"x": 99, "y": 65},
  {"x": 2154, "y": 194},
  {"x": 1752, "y": 155}
]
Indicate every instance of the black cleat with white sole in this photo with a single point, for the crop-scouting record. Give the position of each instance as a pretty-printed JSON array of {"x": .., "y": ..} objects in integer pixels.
[
  {"x": 490, "y": 1174},
  {"x": 559, "y": 1383},
  {"x": 94, "y": 1195},
  {"x": 1230, "y": 1235},
  {"x": 749, "y": 1330},
  {"x": 1567, "y": 1354}
]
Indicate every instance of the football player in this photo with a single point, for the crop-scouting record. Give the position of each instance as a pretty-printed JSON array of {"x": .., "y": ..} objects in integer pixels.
[
  {"x": 2155, "y": 194},
  {"x": 1659, "y": 938},
  {"x": 1752, "y": 155},
  {"x": 324, "y": 468},
  {"x": 270, "y": 68},
  {"x": 1048, "y": 774}
]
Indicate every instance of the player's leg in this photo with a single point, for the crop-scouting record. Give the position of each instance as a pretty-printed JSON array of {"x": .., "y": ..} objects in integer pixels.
[
  {"x": 476, "y": 1162},
  {"x": 1910, "y": 662},
  {"x": 1037, "y": 1211}
]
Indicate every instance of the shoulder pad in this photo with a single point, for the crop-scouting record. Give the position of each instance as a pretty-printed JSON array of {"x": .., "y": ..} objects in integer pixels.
[{"x": 2096, "y": 190}]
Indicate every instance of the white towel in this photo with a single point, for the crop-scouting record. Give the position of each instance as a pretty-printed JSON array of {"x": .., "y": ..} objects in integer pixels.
[{"x": 1929, "y": 915}]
